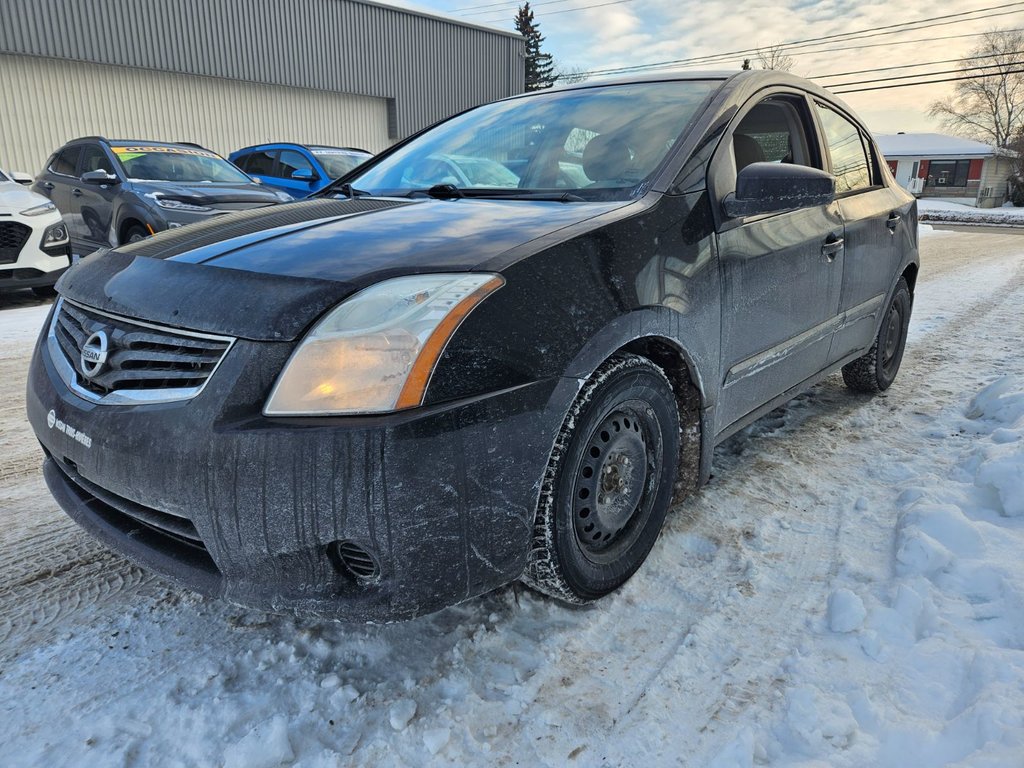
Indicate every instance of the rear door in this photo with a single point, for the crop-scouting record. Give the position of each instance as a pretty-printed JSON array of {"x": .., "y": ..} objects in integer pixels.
[
  {"x": 260, "y": 165},
  {"x": 781, "y": 272},
  {"x": 875, "y": 215},
  {"x": 58, "y": 179}
]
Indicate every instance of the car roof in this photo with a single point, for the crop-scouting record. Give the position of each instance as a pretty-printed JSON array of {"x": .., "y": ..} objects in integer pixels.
[
  {"x": 277, "y": 144},
  {"x": 140, "y": 143}
]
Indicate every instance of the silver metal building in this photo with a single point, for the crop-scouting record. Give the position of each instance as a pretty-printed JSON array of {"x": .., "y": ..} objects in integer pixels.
[{"x": 228, "y": 73}]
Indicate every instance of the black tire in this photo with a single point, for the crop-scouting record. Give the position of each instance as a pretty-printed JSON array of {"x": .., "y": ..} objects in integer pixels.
[
  {"x": 876, "y": 371},
  {"x": 134, "y": 234},
  {"x": 45, "y": 291},
  {"x": 598, "y": 516}
]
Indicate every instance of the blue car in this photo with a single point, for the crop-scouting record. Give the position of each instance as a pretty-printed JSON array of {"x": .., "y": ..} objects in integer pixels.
[{"x": 297, "y": 169}]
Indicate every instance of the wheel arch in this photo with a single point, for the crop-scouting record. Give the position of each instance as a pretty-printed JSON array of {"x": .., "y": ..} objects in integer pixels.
[
  {"x": 655, "y": 333},
  {"x": 910, "y": 275}
]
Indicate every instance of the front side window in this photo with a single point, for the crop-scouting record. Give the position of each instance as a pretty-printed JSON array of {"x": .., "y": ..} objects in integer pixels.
[
  {"x": 95, "y": 159},
  {"x": 67, "y": 161},
  {"x": 846, "y": 146},
  {"x": 178, "y": 164},
  {"x": 291, "y": 161},
  {"x": 773, "y": 132},
  {"x": 598, "y": 143}
]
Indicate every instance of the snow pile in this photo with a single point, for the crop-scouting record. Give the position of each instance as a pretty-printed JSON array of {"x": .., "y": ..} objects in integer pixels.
[
  {"x": 925, "y": 668},
  {"x": 941, "y": 210}
]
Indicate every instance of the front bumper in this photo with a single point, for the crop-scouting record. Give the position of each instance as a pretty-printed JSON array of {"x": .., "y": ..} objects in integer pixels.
[
  {"x": 35, "y": 267},
  {"x": 444, "y": 498}
]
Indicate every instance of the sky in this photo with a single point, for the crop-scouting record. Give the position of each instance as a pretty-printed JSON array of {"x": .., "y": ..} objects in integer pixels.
[{"x": 631, "y": 32}]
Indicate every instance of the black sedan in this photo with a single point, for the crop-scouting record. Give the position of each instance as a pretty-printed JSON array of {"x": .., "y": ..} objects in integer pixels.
[{"x": 413, "y": 389}]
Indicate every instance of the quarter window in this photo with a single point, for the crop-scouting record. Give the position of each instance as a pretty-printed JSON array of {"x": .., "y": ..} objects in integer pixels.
[
  {"x": 67, "y": 161},
  {"x": 847, "y": 147}
]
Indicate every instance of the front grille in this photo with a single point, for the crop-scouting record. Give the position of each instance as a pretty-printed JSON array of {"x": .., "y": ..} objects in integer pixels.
[
  {"x": 13, "y": 236},
  {"x": 142, "y": 361}
]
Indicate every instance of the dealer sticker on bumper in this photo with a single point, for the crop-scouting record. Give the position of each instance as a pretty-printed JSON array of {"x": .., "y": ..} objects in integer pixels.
[{"x": 79, "y": 437}]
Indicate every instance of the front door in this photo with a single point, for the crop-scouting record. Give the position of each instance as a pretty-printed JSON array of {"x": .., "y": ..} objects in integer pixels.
[
  {"x": 781, "y": 273},
  {"x": 95, "y": 202}
]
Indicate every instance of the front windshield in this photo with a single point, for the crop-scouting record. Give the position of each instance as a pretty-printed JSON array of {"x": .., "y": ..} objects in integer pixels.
[
  {"x": 338, "y": 162},
  {"x": 180, "y": 164},
  {"x": 596, "y": 143}
]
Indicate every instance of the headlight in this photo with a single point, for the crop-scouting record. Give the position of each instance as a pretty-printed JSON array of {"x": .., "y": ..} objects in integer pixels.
[
  {"x": 376, "y": 350},
  {"x": 39, "y": 210},
  {"x": 178, "y": 205},
  {"x": 55, "y": 234}
]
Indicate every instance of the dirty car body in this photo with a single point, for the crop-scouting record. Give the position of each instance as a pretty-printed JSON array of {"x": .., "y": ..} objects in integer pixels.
[{"x": 213, "y": 465}]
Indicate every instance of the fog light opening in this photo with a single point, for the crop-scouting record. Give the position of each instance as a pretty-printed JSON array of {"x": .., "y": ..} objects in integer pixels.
[{"x": 354, "y": 561}]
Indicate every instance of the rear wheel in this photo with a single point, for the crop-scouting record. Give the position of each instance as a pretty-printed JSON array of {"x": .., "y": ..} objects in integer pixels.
[
  {"x": 608, "y": 484},
  {"x": 876, "y": 371}
]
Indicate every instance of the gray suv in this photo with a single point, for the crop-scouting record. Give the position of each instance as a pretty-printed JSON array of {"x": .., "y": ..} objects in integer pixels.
[{"x": 116, "y": 191}]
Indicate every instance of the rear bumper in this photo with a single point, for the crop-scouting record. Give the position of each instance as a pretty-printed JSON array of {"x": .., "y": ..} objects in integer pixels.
[{"x": 443, "y": 498}]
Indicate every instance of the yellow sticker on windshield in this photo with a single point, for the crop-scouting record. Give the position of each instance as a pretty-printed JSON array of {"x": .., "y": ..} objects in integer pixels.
[{"x": 127, "y": 153}]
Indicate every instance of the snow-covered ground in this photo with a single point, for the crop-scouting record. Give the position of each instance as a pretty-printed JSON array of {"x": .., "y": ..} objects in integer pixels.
[
  {"x": 944, "y": 211},
  {"x": 847, "y": 591}
]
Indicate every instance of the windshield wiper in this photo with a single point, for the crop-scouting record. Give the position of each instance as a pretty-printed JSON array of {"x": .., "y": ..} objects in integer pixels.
[
  {"x": 451, "y": 192},
  {"x": 438, "y": 192}
]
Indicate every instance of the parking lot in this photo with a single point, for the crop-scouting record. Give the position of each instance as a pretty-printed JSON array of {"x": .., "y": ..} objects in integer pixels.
[{"x": 720, "y": 648}]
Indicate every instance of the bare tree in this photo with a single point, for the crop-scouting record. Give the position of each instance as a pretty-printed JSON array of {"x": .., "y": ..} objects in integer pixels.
[
  {"x": 569, "y": 74},
  {"x": 775, "y": 57},
  {"x": 989, "y": 106}
]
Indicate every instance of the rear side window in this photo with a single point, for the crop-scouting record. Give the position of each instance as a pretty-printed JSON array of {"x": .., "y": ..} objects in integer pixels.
[
  {"x": 258, "y": 163},
  {"x": 67, "y": 161},
  {"x": 291, "y": 161},
  {"x": 846, "y": 145}
]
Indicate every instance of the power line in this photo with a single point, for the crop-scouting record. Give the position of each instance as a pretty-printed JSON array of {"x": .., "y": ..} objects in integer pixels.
[
  {"x": 911, "y": 66},
  {"x": 683, "y": 63},
  {"x": 787, "y": 47},
  {"x": 939, "y": 72},
  {"x": 467, "y": 11},
  {"x": 564, "y": 10},
  {"x": 922, "y": 82}
]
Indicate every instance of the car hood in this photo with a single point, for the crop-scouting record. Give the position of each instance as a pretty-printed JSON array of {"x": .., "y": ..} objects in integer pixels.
[
  {"x": 267, "y": 274},
  {"x": 15, "y": 198},
  {"x": 214, "y": 195}
]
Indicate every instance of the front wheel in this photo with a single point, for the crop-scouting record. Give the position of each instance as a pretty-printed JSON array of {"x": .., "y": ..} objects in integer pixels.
[
  {"x": 876, "y": 370},
  {"x": 134, "y": 234},
  {"x": 608, "y": 483}
]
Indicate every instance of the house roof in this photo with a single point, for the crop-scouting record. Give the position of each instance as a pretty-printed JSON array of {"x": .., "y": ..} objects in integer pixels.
[{"x": 934, "y": 145}]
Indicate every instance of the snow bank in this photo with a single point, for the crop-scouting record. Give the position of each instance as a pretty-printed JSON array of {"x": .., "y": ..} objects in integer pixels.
[
  {"x": 941, "y": 210},
  {"x": 927, "y": 669}
]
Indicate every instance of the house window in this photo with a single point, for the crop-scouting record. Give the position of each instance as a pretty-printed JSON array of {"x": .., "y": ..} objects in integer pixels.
[{"x": 948, "y": 173}]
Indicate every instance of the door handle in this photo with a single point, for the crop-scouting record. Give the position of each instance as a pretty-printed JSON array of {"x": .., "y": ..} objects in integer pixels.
[
  {"x": 47, "y": 185},
  {"x": 76, "y": 192},
  {"x": 831, "y": 247},
  {"x": 892, "y": 221}
]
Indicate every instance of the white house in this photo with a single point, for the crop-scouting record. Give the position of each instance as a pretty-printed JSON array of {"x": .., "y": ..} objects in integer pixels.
[{"x": 949, "y": 167}]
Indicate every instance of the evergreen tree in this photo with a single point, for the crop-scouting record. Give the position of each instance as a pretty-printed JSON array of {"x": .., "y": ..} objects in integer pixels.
[{"x": 539, "y": 66}]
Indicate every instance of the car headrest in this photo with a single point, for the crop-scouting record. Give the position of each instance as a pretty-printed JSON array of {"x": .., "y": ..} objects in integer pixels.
[
  {"x": 747, "y": 151},
  {"x": 605, "y": 158}
]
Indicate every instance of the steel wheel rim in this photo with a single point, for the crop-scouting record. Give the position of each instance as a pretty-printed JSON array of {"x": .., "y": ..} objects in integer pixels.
[
  {"x": 892, "y": 337},
  {"x": 616, "y": 482}
]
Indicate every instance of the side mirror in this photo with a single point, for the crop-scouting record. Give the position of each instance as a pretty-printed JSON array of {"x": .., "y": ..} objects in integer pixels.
[
  {"x": 21, "y": 178},
  {"x": 773, "y": 187},
  {"x": 304, "y": 174},
  {"x": 99, "y": 177}
]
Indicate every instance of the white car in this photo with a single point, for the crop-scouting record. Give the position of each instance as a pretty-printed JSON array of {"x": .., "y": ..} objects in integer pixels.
[{"x": 34, "y": 245}]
